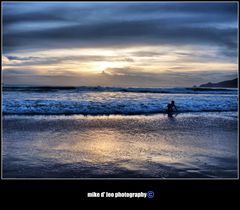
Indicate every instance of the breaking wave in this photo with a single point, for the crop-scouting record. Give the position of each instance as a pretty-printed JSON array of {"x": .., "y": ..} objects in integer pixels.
[{"x": 106, "y": 102}]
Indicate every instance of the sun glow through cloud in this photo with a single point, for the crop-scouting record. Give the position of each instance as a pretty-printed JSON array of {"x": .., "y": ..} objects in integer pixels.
[{"x": 81, "y": 45}]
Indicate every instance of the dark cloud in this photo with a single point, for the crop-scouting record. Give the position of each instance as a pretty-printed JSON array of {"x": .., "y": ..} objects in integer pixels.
[
  {"x": 121, "y": 33},
  {"x": 179, "y": 78},
  {"x": 16, "y": 72},
  {"x": 226, "y": 12},
  {"x": 124, "y": 77},
  {"x": 17, "y": 58},
  {"x": 32, "y": 60},
  {"x": 31, "y": 17},
  {"x": 207, "y": 57},
  {"x": 147, "y": 54},
  {"x": 179, "y": 7},
  {"x": 138, "y": 24},
  {"x": 178, "y": 73}
]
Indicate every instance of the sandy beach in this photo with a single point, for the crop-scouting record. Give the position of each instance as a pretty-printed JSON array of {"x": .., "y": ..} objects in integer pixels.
[{"x": 190, "y": 145}]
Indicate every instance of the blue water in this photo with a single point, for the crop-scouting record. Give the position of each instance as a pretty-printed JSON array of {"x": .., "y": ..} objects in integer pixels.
[{"x": 111, "y": 100}]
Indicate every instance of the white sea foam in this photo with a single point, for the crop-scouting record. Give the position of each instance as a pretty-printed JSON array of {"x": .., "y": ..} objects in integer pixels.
[{"x": 73, "y": 101}]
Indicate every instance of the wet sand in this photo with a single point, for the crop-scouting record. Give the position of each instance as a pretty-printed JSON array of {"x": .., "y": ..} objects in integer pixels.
[{"x": 190, "y": 145}]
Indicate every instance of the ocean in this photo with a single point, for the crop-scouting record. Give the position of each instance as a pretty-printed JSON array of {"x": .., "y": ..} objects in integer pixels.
[
  {"x": 106, "y": 132},
  {"x": 110, "y": 100}
]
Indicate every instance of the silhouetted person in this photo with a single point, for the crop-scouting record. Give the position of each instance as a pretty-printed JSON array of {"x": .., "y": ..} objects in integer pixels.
[
  {"x": 173, "y": 105},
  {"x": 170, "y": 108}
]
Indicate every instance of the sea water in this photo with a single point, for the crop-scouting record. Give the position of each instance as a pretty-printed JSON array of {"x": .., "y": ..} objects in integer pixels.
[{"x": 110, "y": 100}]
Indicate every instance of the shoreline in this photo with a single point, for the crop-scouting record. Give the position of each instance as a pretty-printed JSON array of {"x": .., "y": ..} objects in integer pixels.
[
  {"x": 190, "y": 145},
  {"x": 122, "y": 114}
]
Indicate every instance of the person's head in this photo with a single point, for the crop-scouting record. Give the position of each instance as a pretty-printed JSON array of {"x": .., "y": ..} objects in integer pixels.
[{"x": 172, "y": 102}]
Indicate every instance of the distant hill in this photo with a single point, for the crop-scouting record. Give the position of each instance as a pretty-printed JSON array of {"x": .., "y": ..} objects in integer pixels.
[{"x": 227, "y": 84}]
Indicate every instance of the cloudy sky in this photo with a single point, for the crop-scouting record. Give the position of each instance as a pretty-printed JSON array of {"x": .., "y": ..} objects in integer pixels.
[{"x": 119, "y": 44}]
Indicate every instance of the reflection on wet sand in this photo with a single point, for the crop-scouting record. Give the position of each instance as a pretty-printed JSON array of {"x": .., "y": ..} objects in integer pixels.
[{"x": 121, "y": 146}]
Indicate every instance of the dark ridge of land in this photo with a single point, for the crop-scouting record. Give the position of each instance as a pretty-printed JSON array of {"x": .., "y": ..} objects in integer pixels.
[{"x": 227, "y": 84}]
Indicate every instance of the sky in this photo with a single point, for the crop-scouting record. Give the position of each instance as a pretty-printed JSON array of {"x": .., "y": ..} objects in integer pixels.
[{"x": 128, "y": 44}]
